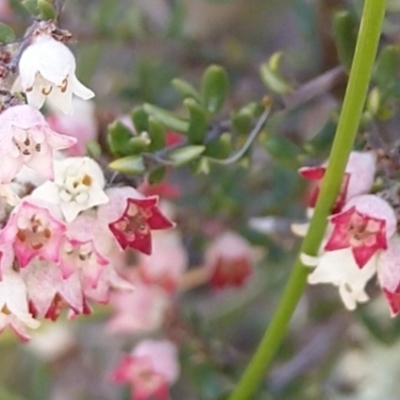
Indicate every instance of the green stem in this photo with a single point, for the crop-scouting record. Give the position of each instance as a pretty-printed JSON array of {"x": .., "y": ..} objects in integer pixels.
[{"x": 353, "y": 104}]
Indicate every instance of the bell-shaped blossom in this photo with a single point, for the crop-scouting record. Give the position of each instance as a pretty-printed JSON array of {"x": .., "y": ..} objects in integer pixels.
[
  {"x": 229, "y": 260},
  {"x": 389, "y": 274},
  {"x": 108, "y": 280},
  {"x": 82, "y": 125},
  {"x": 35, "y": 229},
  {"x": 14, "y": 310},
  {"x": 365, "y": 226},
  {"x": 167, "y": 263},
  {"x": 340, "y": 269},
  {"x": 48, "y": 292},
  {"x": 130, "y": 216},
  {"x": 26, "y": 139},
  {"x": 80, "y": 252},
  {"x": 78, "y": 185},
  {"x": 150, "y": 369},
  {"x": 47, "y": 71},
  {"x": 140, "y": 310},
  {"x": 357, "y": 180}
]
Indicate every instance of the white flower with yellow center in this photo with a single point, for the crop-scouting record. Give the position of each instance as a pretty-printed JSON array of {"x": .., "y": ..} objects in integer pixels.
[{"x": 78, "y": 185}]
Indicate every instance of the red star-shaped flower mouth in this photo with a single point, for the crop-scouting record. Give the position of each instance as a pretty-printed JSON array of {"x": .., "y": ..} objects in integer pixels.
[
  {"x": 133, "y": 228},
  {"x": 363, "y": 234}
]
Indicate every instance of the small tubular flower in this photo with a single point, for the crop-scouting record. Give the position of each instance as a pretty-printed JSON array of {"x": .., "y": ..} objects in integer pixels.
[
  {"x": 14, "y": 310},
  {"x": 26, "y": 139},
  {"x": 79, "y": 253},
  {"x": 130, "y": 216},
  {"x": 357, "y": 180},
  {"x": 389, "y": 274},
  {"x": 167, "y": 263},
  {"x": 47, "y": 71},
  {"x": 340, "y": 269},
  {"x": 35, "y": 230},
  {"x": 151, "y": 368},
  {"x": 229, "y": 260},
  {"x": 81, "y": 125},
  {"x": 365, "y": 225},
  {"x": 108, "y": 279},
  {"x": 78, "y": 186},
  {"x": 141, "y": 310},
  {"x": 48, "y": 292}
]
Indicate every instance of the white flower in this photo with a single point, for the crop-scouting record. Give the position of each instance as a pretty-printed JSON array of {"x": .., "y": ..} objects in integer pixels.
[
  {"x": 78, "y": 186},
  {"x": 340, "y": 269},
  {"x": 13, "y": 298},
  {"x": 47, "y": 70}
]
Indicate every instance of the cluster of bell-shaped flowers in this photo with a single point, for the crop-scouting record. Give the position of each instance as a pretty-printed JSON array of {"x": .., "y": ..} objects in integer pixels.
[
  {"x": 361, "y": 239},
  {"x": 62, "y": 225}
]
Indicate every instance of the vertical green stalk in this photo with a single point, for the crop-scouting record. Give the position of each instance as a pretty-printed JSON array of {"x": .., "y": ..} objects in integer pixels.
[{"x": 354, "y": 100}]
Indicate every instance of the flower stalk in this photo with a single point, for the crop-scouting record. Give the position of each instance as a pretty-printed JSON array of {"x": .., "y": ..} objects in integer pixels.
[{"x": 355, "y": 96}]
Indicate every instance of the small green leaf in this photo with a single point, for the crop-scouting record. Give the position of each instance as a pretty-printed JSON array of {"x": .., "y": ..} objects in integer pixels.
[
  {"x": 129, "y": 165},
  {"x": 93, "y": 149},
  {"x": 140, "y": 120},
  {"x": 345, "y": 35},
  {"x": 185, "y": 89},
  {"x": 203, "y": 166},
  {"x": 273, "y": 80},
  {"x": 186, "y": 154},
  {"x": 46, "y": 9},
  {"x": 374, "y": 101},
  {"x": 6, "y": 33},
  {"x": 214, "y": 88},
  {"x": 118, "y": 138},
  {"x": 284, "y": 151},
  {"x": 387, "y": 68},
  {"x": 219, "y": 148},
  {"x": 157, "y": 135},
  {"x": 242, "y": 122},
  {"x": 137, "y": 145},
  {"x": 198, "y": 124},
  {"x": 156, "y": 176},
  {"x": 30, "y": 6},
  {"x": 167, "y": 118}
]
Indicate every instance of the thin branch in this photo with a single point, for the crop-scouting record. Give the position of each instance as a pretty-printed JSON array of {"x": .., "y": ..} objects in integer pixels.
[
  {"x": 314, "y": 88},
  {"x": 252, "y": 137}
]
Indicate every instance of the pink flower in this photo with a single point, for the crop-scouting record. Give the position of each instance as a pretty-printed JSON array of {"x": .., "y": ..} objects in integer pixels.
[
  {"x": 365, "y": 226},
  {"x": 108, "y": 279},
  {"x": 130, "y": 216},
  {"x": 82, "y": 125},
  {"x": 167, "y": 263},
  {"x": 49, "y": 293},
  {"x": 26, "y": 139},
  {"x": 229, "y": 260},
  {"x": 389, "y": 274},
  {"x": 79, "y": 252},
  {"x": 151, "y": 368},
  {"x": 35, "y": 229},
  {"x": 358, "y": 179},
  {"x": 141, "y": 310}
]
